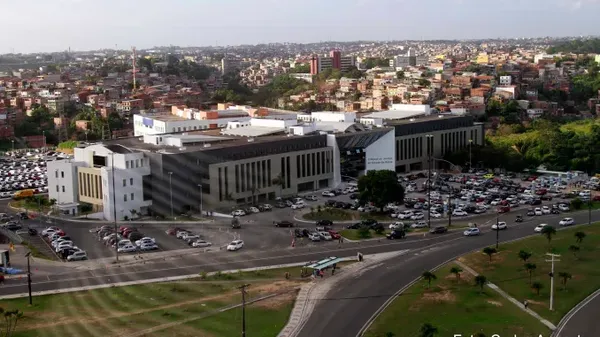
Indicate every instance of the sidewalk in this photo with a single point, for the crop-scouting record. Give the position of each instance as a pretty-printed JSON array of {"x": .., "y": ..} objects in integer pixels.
[
  {"x": 508, "y": 297},
  {"x": 312, "y": 292}
]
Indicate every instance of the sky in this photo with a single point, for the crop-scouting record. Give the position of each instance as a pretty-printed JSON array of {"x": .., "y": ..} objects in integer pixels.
[{"x": 31, "y": 26}]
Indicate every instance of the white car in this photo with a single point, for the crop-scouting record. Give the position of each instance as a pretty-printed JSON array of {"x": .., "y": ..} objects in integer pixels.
[
  {"x": 314, "y": 236},
  {"x": 567, "y": 222},
  {"x": 123, "y": 243},
  {"x": 181, "y": 234},
  {"x": 325, "y": 236},
  {"x": 58, "y": 241},
  {"x": 148, "y": 246},
  {"x": 538, "y": 211},
  {"x": 191, "y": 238},
  {"x": 145, "y": 241},
  {"x": 405, "y": 215},
  {"x": 201, "y": 244},
  {"x": 500, "y": 225},
  {"x": 418, "y": 216},
  {"x": 49, "y": 231},
  {"x": 77, "y": 256},
  {"x": 298, "y": 205},
  {"x": 471, "y": 232},
  {"x": 420, "y": 224},
  {"x": 146, "y": 238},
  {"x": 496, "y": 202},
  {"x": 127, "y": 249},
  {"x": 63, "y": 245},
  {"x": 235, "y": 245},
  {"x": 238, "y": 212},
  {"x": 540, "y": 227},
  {"x": 435, "y": 214},
  {"x": 396, "y": 225},
  {"x": 328, "y": 194},
  {"x": 563, "y": 208},
  {"x": 254, "y": 210},
  {"x": 545, "y": 210},
  {"x": 459, "y": 212}
]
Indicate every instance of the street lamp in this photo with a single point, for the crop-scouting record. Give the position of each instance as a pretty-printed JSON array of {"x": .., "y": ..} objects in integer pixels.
[
  {"x": 28, "y": 256},
  {"x": 171, "y": 191},
  {"x": 200, "y": 185},
  {"x": 497, "y": 230},
  {"x": 112, "y": 159},
  {"x": 429, "y": 149},
  {"x": 470, "y": 156}
]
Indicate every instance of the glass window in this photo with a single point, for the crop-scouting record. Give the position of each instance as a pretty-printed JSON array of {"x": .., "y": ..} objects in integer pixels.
[
  {"x": 131, "y": 196},
  {"x": 124, "y": 182},
  {"x": 63, "y": 188},
  {"x": 127, "y": 164},
  {"x": 130, "y": 181},
  {"x": 62, "y": 174},
  {"x": 124, "y": 197},
  {"x": 57, "y": 190}
]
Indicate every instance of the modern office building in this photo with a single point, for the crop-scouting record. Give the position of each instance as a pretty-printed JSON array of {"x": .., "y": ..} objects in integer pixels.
[
  {"x": 335, "y": 60},
  {"x": 410, "y": 59},
  {"x": 110, "y": 177}
]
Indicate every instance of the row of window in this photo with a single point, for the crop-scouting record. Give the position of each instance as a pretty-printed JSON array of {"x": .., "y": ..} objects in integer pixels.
[
  {"x": 89, "y": 185},
  {"x": 247, "y": 177},
  {"x": 134, "y": 163},
  {"x": 412, "y": 148},
  {"x": 125, "y": 197},
  {"x": 311, "y": 164},
  {"x": 130, "y": 182}
]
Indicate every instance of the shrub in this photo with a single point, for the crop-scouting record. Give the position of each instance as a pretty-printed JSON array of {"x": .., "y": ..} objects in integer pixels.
[{"x": 576, "y": 203}]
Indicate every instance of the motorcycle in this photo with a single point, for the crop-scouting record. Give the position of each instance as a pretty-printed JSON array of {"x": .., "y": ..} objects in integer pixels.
[{"x": 519, "y": 219}]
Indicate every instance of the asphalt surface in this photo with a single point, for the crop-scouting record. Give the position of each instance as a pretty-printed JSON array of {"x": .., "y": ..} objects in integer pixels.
[{"x": 584, "y": 322}]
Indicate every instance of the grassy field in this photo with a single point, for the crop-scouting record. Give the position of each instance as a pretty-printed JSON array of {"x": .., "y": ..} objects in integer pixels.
[
  {"x": 454, "y": 307},
  {"x": 336, "y": 214},
  {"x": 353, "y": 234},
  {"x": 183, "y": 308},
  {"x": 507, "y": 271}
]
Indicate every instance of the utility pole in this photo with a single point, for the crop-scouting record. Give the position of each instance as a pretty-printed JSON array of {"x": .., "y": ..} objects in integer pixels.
[
  {"x": 590, "y": 211},
  {"x": 552, "y": 260},
  {"x": 28, "y": 255},
  {"x": 200, "y": 185},
  {"x": 449, "y": 210},
  {"x": 112, "y": 164},
  {"x": 171, "y": 192},
  {"x": 497, "y": 230},
  {"x": 470, "y": 157},
  {"x": 242, "y": 288}
]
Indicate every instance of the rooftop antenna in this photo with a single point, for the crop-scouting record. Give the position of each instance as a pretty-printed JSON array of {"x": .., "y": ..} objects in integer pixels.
[{"x": 134, "y": 69}]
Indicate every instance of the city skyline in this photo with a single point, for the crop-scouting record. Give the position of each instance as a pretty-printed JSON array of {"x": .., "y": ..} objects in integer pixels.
[{"x": 83, "y": 25}]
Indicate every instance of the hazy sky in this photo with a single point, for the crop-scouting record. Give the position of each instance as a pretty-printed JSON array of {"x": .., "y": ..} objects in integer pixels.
[{"x": 54, "y": 25}]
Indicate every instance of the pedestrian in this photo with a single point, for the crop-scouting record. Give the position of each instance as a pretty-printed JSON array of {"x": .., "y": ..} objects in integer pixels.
[{"x": 525, "y": 304}]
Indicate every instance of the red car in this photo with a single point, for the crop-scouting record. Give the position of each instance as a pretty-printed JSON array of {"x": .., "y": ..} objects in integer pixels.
[
  {"x": 503, "y": 209},
  {"x": 334, "y": 235}
]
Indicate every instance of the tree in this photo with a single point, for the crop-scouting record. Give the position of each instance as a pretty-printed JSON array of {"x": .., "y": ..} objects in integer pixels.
[
  {"x": 489, "y": 251},
  {"x": 390, "y": 334},
  {"x": 564, "y": 276},
  {"x": 480, "y": 281},
  {"x": 380, "y": 187},
  {"x": 428, "y": 276},
  {"x": 300, "y": 68},
  {"x": 279, "y": 181},
  {"x": 537, "y": 286},
  {"x": 456, "y": 271},
  {"x": 428, "y": 330},
  {"x": 524, "y": 255},
  {"x": 400, "y": 75},
  {"x": 364, "y": 232},
  {"x": 424, "y": 83},
  {"x": 580, "y": 236},
  {"x": 576, "y": 203},
  {"x": 574, "y": 249},
  {"x": 530, "y": 267},
  {"x": 549, "y": 232},
  {"x": 11, "y": 317}
]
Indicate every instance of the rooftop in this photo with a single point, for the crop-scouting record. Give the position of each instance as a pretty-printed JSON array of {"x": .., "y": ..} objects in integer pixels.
[
  {"x": 394, "y": 114},
  {"x": 253, "y": 131}
]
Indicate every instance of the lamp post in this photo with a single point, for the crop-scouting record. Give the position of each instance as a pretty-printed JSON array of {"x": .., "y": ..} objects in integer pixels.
[
  {"x": 470, "y": 155},
  {"x": 28, "y": 256},
  {"x": 497, "y": 231},
  {"x": 200, "y": 185},
  {"x": 171, "y": 191},
  {"x": 112, "y": 164},
  {"x": 429, "y": 138}
]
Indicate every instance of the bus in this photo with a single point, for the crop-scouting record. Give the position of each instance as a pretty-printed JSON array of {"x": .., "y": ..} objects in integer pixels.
[{"x": 23, "y": 194}]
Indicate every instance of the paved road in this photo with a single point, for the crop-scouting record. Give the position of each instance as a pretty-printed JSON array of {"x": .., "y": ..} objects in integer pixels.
[
  {"x": 345, "y": 310},
  {"x": 584, "y": 321}
]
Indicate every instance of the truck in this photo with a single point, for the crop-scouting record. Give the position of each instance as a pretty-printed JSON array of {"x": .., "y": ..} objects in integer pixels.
[{"x": 23, "y": 194}]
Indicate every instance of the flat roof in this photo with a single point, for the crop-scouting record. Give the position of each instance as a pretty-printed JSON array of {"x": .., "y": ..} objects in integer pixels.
[
  {"x": 434, "y": 117},
  {"x": 394, "y": 114},
  {"x": 252, "y": 131},
  {"x": 167, "y": 118}
]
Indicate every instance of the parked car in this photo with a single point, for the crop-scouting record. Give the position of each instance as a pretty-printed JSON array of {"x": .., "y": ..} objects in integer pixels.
[
  {"x": 77, "y": 256},
  {"x": 148, "y": 246},
  {"x": 127, "y": 249},
  {"x": 238, "y": 212},
  {"x": 284, "y": 223},
  {"x": 235, "y": 245},
  {"x": 335, "y": 235},
  {"x": 325, "y": 236},
  {"x": 201, "y": 244},
  {"x": 314, "y": 236},
  {"x": 396, "y": 234}
]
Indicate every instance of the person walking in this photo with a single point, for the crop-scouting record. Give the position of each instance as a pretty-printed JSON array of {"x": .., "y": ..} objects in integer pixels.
[{"x": 525, "y": 304}]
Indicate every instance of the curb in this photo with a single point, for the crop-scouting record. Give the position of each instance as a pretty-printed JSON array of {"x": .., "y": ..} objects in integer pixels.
[{"x": 565, "y": 320}]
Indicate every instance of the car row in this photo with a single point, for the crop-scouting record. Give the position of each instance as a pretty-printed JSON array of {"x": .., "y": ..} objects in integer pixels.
[
  {"x": 251, "y": 210},
  {"x": 63, "y": 245},
  {"x": 125, "y": 239},
  {"x": 19, "y": 174},
  {"x": 194, "y": 240}
]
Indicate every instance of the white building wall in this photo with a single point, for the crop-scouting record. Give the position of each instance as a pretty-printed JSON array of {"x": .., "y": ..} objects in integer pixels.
[
  {"x": 380, "y": 154},
  {"x": 62, "y": 181},
  {"x": 337, "y": 171},
  {"x": 160, "y": 127},
  {"x": 426, "y": 109}
]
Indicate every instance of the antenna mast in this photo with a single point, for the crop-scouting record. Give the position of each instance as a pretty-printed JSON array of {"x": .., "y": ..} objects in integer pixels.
[{"x": 134, "y": 69}]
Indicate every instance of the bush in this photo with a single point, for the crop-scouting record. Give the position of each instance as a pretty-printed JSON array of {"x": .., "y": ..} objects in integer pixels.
[
  {"x": 203, "y": 275},
  {"x": 379, "y": 230},
  {"x": 364, "y": 233},
  {"x": 576, "y": 203}
]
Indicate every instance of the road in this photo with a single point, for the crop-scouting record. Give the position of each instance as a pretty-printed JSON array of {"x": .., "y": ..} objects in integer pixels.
[
  {"x": 584, "y": 322},
  {"x": 346, "y": 309}
]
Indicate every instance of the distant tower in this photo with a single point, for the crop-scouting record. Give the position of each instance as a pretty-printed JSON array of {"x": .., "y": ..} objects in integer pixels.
[{"x": 134, "y": 69}]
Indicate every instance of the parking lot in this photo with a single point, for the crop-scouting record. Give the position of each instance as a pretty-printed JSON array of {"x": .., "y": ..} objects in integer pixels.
[{"x": 23, "y": 170}]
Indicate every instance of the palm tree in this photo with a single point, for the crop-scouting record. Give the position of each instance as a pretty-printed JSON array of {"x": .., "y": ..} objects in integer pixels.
[
  {"x": 537, "y": 286},
  {"x": 456, "y": 271},
  {"x": 11, "y": 317},
  {"x": 428, "y": 330},
  {"x": 549, "y": 232},
  {"x": 524, "y": 255},
  {"x": 530, "y": 267},
  {"x": 489, "y": 251},
  {"x": 279, "y": 181},
  {"x": 574, "y": 249},
  {"x": 580, "y": 236},
  {"x": 565, "y": 277},
  {"x": 428, "y": 276},
  {"x": 480, "y": 281}
]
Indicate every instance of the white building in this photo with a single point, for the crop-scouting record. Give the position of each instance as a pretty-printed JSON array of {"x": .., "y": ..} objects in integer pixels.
[
  {"x": 328, "y": 116},
  {"x": 505, "y": 80},
  {"x": 110, "y": 178}
]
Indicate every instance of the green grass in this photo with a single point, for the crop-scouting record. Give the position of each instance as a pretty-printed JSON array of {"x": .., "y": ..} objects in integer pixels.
[
  {"x": 506, "y": 270},
  {"x": 124, "y": 310},
  {"x": 336, "y": 214},
  {"x": 36, "y": 253},
  {"x": 454, "y": 307}
]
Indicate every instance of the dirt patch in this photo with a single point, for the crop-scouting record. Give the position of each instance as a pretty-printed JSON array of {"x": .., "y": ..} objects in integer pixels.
[
  {"x": 464, "y": 277},
  {"x": 495, "y": 303},
  {"x": 530, "y": 301},
  {"x": 439, "y": 296},
  {"x": 276, "y": 302}
]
